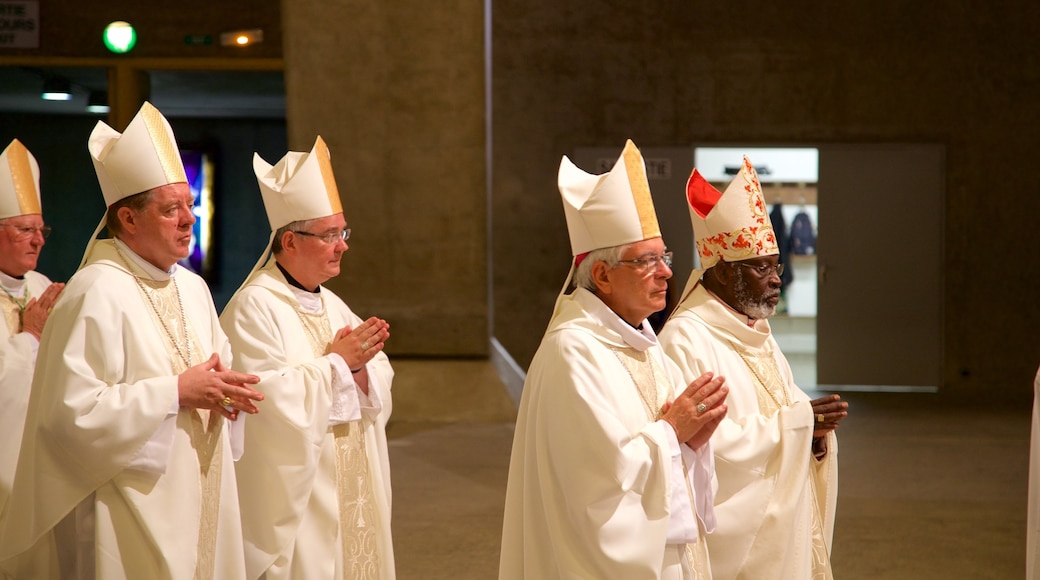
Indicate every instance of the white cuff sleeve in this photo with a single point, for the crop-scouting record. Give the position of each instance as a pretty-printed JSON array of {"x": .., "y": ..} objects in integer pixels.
[
  {"x": 237, "y": 435},
  {"x": 682, "y": 523},
  {"x": 346, "y": 406},
  {"x": 700, "y": 464}
]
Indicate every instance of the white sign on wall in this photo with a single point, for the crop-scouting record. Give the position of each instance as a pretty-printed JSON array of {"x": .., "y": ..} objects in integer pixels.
[{"x": 20, "y": 24}]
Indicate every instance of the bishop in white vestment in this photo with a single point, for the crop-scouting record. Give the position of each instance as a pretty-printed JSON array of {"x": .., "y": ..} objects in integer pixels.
[
  {"x": 611, "y": 471},
  {"x": 775, "y": 452},
  {"x": 26, "y": 298},
  {"x": 316, "y": 476},
  {"x": 126, "y": 467}
]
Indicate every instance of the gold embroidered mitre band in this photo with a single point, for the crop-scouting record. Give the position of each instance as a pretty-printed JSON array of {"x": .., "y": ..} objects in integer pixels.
[
  {"x": 19, "y": 182},
  {"x": 299, "y": 187},
  {"x": 143, "y": 157},
  {"x": 732, "y": 225},
  {"x": 611, "y": 209}
]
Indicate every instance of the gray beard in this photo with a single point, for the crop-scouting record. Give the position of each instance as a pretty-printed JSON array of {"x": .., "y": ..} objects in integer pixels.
[{"x": 745, "y": 303}]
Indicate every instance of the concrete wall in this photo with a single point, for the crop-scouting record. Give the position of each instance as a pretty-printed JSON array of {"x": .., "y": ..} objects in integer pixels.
[
  {"x": 593, "y": 73},
  {"x": 398, "y": 92}
]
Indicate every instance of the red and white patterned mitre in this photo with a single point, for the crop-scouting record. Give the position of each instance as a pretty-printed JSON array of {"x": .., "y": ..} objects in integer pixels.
[{"x": 732, "y": 225}]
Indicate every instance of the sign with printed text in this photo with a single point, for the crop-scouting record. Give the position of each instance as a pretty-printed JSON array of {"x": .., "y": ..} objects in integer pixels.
[
  {"x": 20, "y": 24},
  {"x": 656, "y": 168}
]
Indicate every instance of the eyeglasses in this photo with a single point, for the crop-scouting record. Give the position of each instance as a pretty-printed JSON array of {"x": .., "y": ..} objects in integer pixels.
[
  {"x": 328, "y": 238},
  {"x": 650, "y": 263},
  {"x": 25, "y": 232},
  {"x": 763, "y": 270}
]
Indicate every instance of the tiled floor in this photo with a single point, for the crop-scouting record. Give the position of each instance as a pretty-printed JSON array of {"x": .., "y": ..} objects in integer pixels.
[{"x": 927, "y": 490}]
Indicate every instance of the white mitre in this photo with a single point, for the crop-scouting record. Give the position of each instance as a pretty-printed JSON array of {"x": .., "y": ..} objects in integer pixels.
[
  {"x": 608, "y": 210},
  {"x": 19, "y": 182},
  {"x": 611, "y": 209},
  {"x": 301, "y": 186},
  {"x": 143, "y": 157}
]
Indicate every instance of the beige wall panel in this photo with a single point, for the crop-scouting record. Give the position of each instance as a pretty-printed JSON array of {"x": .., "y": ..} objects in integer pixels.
[{"x": 398, "y": 94}]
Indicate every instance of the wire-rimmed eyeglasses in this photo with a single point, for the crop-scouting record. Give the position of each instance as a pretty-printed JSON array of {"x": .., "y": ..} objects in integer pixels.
[
  {"x": 331, "y": 238},
  {"x": 763, "y": 270},
  {"x": 29, "y": 231},
  {"x": 648, "y": 264}
]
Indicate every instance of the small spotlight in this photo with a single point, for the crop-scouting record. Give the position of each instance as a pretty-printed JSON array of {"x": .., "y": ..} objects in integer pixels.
[
  {"x": 56, "y": 89},
  {"x": 97, "y": 102},
  {"x": 242, "y": 37}
]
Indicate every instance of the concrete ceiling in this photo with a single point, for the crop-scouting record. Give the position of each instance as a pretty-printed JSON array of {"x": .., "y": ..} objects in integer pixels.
[{"x": 224, "y": 94}]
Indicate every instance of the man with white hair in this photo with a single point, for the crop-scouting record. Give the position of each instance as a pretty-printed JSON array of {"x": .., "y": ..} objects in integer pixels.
[
  {"x": 126, "y": 467},
  {"x": 611, "y": 469},
  {"x": 26, "y": 298},
  {"x": 776, "y": 453},
  {"x": 316, "y": 477}
]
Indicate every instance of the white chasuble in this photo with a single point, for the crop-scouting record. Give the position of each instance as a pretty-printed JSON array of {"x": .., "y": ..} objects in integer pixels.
[
  {"x": 775, "y": 501},
  {"x": 17, "y": 359},
  {"x": 202, "y": 425},
  {"x": 304, "y": 473},
  {"x": 591, "y": 474},
  {"x": 109, "y": 439}
]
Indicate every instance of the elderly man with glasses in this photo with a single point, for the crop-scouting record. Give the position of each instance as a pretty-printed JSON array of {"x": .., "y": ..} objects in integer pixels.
[
  {"x": 315, "y": 478},
  {"x": 611, "y": 469},
  {"x": 26, "y": 298},
  {"x": 776, "y": 451}
]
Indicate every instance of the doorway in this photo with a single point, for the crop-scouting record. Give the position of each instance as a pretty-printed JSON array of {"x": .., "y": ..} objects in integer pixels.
[{"x": 861, "y": 308}]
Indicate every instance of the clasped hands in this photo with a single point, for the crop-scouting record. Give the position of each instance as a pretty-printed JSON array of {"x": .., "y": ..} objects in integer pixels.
[
  {"x": 213, "y": 386},
  {"x": 359, "y": 345},
  {"x": 827, "y": 412},
  {"x": 698, "y": 410}
]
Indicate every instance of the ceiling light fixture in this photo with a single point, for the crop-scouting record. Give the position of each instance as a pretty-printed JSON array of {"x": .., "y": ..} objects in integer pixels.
[
  {"x": 242, "y": 37},
  {"x": 97, "y": 102},
  {"x": 56, "y": 89}
]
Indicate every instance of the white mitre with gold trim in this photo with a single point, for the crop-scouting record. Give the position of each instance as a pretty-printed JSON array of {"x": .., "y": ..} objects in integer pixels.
[
  {"x": 611, "y": 209},
  {"x": 732, "y": 225},
  {"x": 301, "y": 186},
  {"x": 19, "y": 182},
  {"x": 143, "y": 157}
]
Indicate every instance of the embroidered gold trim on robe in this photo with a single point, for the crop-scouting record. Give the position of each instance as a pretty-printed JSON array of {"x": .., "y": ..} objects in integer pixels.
[
  {"x": 764, "y": 370},
  {"x": 653, "y": 388},
  {"x": 357, "y": 516},
  {"x": 204, "y": 427}
]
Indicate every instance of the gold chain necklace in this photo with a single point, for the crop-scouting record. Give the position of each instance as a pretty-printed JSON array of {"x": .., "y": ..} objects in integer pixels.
[
  {"x": 21, "y": 304},
  {"x": 185, "y": 354}
]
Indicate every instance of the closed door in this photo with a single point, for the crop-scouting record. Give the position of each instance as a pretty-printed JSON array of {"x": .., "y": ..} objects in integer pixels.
[{"x": 879, "y": 259}]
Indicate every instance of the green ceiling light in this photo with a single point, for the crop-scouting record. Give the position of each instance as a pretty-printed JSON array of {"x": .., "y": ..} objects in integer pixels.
[{"x": 120, "y": 37}]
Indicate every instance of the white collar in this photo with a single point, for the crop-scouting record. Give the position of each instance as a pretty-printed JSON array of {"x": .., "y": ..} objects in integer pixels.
[
  {"x": 640, "y": 338},
  {"x": 149, "y": 269},
  {"x": 310, "y": 302}
]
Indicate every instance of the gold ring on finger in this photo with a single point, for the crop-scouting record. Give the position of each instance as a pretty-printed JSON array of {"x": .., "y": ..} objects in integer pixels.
[
  {"x": 701, "y": 407},
  {"x": 819, "y": 418},
  {"x": 226, "y": 401}
]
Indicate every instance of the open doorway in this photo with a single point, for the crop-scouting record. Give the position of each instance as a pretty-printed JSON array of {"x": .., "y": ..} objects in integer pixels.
[{"x": 863, "y": 224}]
